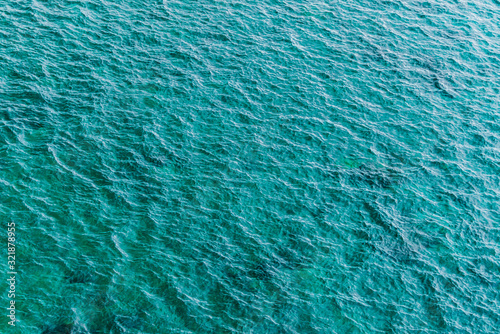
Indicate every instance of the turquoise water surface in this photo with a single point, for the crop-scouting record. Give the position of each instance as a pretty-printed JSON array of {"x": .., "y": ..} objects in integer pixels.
[{"x": 251, "y": 166}]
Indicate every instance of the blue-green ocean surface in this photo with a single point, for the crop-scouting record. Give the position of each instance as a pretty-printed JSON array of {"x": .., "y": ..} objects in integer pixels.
[{"x": 271, "y": 166}]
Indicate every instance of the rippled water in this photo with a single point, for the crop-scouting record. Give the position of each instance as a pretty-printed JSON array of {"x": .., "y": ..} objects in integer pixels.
[{"x": 252, "y": 167}]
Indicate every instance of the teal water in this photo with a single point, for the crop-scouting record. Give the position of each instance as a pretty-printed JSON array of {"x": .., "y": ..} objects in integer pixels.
[{"x": 252, "y": 166}]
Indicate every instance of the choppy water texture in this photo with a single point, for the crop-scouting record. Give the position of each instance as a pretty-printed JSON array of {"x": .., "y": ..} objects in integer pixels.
[{"x": 252, "y": 167}]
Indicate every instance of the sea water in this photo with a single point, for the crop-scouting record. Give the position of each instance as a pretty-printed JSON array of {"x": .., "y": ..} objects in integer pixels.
[{"x": 251, "y": 166}]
